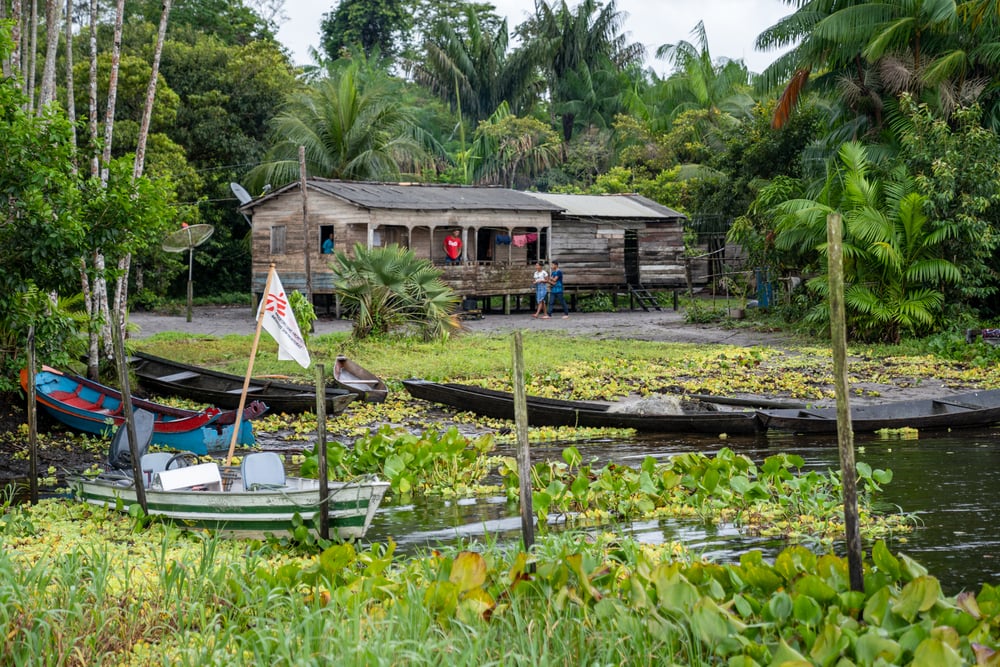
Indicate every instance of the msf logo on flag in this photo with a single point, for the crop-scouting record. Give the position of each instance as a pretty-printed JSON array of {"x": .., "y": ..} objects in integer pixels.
[
  {"x": 276, "y": 303},
  {"x": 276, "y": 318}
]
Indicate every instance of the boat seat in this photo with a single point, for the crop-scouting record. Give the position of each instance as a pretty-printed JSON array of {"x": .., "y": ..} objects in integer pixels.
[
  {"x": 359, "y": 381},
  {"x": 250, "y": 390},
  {"x": 202, "y": 477},
  {"x": 177, "y": 377},
  {"x": 152, "y": 463},
  {"x": 263, "y": 470}
]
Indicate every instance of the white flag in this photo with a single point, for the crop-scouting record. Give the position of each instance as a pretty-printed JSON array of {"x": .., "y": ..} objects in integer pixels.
[{"x": 279, "y": 321}]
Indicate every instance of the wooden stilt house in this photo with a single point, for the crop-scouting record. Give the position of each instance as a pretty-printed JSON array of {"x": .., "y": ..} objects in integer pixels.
[{"x": 601, "y": 242}]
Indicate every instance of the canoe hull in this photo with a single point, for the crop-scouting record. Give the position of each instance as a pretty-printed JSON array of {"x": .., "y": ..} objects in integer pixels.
[
  {"x": 969, "y": 410},
  {"x": 246, "y": 514},
  {"x": 170, "y": 378},
  {"x": 93, "y": 408},
  {"x": 555, "y": 412},
  {"x": 352, "y": 377}
]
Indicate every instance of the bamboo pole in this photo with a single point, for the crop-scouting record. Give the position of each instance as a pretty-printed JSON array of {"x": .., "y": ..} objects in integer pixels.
[
  {"x": 845, "y": 433},
  {"x": 324, "y": 486},
  {"x": 246, "y": 380},
  {"x": 523, "y": 451}
]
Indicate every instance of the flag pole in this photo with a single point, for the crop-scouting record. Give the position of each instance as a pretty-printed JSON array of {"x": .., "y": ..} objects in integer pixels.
[{"x": 253, "y": 355}]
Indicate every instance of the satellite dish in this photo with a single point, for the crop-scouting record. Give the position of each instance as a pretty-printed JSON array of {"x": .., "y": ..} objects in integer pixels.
[
  {"x": 243, "y": 196},
  {"x": 240, "y": 193},
  {"x": 188, "y": 238}
]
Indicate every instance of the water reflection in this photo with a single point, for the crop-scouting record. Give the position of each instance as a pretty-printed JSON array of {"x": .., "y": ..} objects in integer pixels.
[{"x": 949, "y": 481}]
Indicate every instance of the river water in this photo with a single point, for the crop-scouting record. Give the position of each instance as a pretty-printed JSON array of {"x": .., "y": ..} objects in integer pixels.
[{"x": 950, "y": 482}]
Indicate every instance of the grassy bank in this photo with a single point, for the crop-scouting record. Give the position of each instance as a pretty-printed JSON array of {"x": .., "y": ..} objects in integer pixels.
[{"x": 86, "y": 586}]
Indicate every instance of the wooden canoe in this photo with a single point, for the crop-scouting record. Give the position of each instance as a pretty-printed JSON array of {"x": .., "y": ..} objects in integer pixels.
[
  {"x": 969, "y": 410},
  {"x": 349, "y": 375},
  {"x": 92, "y": 407},
  {"x": 556, "y": 412},
  {"x": 171, "y": 378}
]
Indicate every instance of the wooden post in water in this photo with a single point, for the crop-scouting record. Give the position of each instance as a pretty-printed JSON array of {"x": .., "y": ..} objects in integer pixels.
[
  {"x": 523, "y": 452},
  {"x": 121, "y": 365},
  {"x": 845, "y": 432},
  {"x": 324, "y": 486},
  {"x": 32, "y": 421}
]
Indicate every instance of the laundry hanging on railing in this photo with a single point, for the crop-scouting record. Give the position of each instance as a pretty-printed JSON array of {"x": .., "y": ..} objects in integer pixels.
[
  {"x": 521, "y": 240},
  {"x": 503, "y": 239}
]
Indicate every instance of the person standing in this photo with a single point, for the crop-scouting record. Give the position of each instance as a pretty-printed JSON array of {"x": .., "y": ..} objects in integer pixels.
[
  {"x": 540, "y": 279},
  {"x": 453, "y": 248},
  {"x": 328, "y": 244},
  {"x": 556, "y": 290}
]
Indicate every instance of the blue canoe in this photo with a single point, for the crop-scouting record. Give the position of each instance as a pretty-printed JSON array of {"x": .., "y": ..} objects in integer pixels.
[{"x": 91, "y": 407}]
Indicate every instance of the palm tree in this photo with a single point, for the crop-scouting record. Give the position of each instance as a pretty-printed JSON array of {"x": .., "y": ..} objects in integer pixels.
[
  {"x": 698, "y": 82},
  {"x": 580, "y": 43},
  {"x": 505, "y": 147},
  {"x": 474, "y": 70},
  {"x": 894, "y": 268},
  {"x": 351, "y": 129},
  {"x": 388, "y": 290}
]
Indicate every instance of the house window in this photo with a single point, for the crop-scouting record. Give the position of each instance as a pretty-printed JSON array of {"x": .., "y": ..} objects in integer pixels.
[
  {"x": 278, "y": 240},
  {"x": 327, "y": 242}
]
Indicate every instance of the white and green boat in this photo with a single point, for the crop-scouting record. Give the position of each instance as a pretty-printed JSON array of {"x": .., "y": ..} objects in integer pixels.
[{"x": 200, "y": 497}]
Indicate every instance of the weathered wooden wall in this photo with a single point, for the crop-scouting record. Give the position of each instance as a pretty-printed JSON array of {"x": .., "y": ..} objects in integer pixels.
[{"x": 408, "y": 228}]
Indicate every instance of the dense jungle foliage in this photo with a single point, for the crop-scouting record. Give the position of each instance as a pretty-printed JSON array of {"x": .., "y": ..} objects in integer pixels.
[{"x": 887, "y": 113}]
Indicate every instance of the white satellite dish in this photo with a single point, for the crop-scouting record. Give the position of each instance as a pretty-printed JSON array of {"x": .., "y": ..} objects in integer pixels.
[
  {"x": 188, "y": 238},
  {"x": 240, "y": 193},
  {"x": 243, "y": 196}
]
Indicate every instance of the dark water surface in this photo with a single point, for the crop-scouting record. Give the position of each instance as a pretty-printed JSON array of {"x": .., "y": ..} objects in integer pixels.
[{"x": 950, "y": 481}]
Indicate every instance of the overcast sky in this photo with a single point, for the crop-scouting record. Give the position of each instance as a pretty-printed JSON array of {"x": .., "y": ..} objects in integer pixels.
[{"x": 731, "y": 25}]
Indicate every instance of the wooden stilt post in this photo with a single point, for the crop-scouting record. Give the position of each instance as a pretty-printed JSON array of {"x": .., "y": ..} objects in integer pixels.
[
  {"x": 523, "y": 451},
  {"x": 845, "y": 433}
]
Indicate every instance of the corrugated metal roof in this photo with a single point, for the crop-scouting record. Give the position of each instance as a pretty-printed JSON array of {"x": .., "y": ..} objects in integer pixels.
[
  {"x": 420, "y": 196},
  {"x": 608, "y": 206}
]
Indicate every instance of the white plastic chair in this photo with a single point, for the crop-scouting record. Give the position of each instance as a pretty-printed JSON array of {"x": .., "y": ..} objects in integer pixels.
[
  {"x": 152, "y": 463},
  {"x": 263, "y": 470}
]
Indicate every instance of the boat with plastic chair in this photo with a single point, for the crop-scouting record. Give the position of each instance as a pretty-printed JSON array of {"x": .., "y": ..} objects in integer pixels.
[{"x": 254, "y": 500}]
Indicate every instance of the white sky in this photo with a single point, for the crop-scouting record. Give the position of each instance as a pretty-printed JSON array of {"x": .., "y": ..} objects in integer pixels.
[{"x": 731, "y": 25}]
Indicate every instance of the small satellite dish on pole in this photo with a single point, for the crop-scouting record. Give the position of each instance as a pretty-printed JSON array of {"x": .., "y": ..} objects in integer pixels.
[
  {"x": 188, "y": 238},
  {"x": 243, "y": 196}
]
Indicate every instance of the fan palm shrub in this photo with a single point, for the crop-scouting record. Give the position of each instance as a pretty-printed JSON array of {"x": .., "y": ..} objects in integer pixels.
[
  {"x": 894, "y": 268},
  {"x": 389, "y": 290}
]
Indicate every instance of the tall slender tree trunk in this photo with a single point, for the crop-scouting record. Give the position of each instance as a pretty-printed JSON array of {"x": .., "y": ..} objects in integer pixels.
[
  {"x": 121, "y": 289},
  {"x": 147, "y": 111},
  {"x": 90, "y": 290},
  {"x": 70, "y": 97},
  {"x": 47, "y": 93},
  {"x": 109, "y": 116},
  {"x": 95, "y": 160},
  {"x": 32, "y": 39}
]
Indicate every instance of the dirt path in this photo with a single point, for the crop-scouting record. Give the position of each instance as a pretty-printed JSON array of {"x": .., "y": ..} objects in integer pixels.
[{"x": 667, "y": 326}]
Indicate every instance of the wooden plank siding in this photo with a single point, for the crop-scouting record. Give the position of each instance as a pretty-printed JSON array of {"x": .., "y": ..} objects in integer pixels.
[
  {"x": 592, "y": 252},
  {"x": 507, "y": 271}
]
